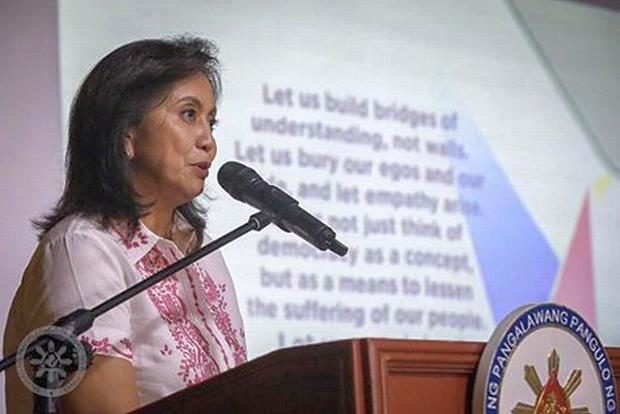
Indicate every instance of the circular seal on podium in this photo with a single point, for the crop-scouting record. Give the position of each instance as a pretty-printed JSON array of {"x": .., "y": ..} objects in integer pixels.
[{"x": 544, "y": 359}]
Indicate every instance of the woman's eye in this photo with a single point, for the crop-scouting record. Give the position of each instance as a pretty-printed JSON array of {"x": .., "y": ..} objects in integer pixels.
[
  {"x": 213, "y": 123},
  {"x": 189, "y": 115}
]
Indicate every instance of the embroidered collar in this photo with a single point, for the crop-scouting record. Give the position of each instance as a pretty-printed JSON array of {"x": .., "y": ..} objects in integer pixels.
[{"x": 141, "y": 241}]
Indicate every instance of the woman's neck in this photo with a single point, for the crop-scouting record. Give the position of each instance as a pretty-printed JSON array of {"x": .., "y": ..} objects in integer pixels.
[{"x": 159, "y": 221}]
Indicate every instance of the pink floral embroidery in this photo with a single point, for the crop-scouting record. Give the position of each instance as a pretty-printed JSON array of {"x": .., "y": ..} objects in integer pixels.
[
  {"x": 165, "y": 350},
  {"x": 191, "y": 274},
  {"x": 103, "y": 346},
  {"x": 197, "y": 363},
  {"x": 203, "y": 317},
  {"x": 218, "y": 305},
  {"x": 131, "y": 240}
]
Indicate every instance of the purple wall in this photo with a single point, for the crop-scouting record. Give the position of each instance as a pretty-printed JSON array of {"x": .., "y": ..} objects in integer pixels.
[{"x": 30, "y": 133}]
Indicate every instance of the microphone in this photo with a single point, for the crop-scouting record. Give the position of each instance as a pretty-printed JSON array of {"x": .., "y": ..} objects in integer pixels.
[{"x": 244, "y": 184}]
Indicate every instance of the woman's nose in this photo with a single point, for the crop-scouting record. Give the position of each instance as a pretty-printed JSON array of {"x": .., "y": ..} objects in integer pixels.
[{"x": 206, "y": 140}]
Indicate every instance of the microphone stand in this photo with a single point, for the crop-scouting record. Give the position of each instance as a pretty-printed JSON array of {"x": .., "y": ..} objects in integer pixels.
[{"x": 80, "y": 320}]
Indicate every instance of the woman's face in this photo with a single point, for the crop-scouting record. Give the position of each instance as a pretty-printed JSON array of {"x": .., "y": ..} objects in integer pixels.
[{"x": 172, "y": 148}]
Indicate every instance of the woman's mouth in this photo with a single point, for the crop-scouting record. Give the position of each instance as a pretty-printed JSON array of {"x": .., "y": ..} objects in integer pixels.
[{"x": 201, "y": 169}]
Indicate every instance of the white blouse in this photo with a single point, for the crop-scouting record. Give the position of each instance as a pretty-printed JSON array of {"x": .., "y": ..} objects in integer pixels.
[{"x": 179, "y": 332}]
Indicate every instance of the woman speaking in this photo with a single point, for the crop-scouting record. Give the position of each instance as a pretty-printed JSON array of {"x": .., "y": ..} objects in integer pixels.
[{"x": 140, "y": 148}]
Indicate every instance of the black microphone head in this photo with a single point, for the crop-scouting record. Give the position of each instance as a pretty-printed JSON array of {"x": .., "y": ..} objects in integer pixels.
[
  {"x": 244, "y": 184},
  {"x": 237, "y": 179}
]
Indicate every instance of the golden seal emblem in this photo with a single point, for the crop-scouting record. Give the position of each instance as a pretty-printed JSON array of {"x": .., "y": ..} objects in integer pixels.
[{"x": 552, "y": 398}]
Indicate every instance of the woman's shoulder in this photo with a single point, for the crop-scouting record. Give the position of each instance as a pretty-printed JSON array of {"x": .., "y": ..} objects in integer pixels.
[{"x": 75, "y": 225}]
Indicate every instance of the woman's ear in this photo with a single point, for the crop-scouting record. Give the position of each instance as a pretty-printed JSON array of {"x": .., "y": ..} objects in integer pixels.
[{"x": 129, "y": 143}]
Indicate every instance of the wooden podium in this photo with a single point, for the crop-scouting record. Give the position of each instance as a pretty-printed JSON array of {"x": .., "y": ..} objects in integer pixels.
[{"x": 353, "y": 376}]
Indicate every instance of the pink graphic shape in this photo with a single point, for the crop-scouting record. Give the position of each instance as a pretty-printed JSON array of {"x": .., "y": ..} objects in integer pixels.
[{"x": 575, "y": 286}]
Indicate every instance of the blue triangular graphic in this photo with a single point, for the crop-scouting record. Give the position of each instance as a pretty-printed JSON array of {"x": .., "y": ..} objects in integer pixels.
[{"x": 516, "y": 262}]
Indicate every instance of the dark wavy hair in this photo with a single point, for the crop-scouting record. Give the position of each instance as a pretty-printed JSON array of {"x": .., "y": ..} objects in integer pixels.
[{"x": 114, "y": 97}]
